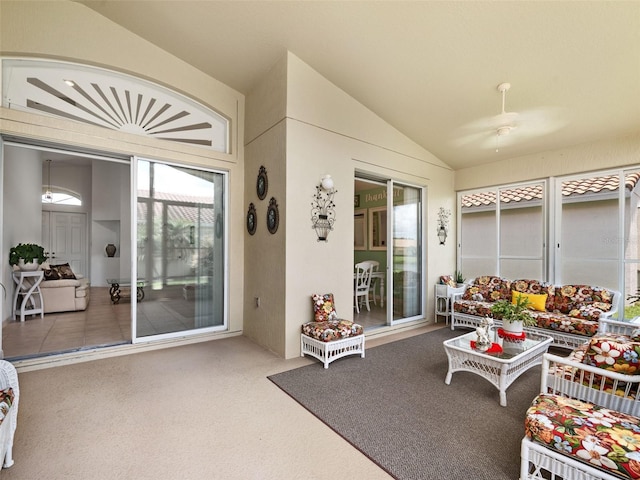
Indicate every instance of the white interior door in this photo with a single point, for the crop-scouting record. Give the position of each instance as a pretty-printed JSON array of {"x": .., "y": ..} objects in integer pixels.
[{"x": 64, "y": 238}]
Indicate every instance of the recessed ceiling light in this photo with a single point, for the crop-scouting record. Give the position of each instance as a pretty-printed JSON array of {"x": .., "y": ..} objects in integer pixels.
[{"x": 71, "y": 83}]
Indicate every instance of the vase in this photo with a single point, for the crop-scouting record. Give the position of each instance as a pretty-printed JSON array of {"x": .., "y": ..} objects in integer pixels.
[
  {"x": 512, "y": 327},
  {"x": 111, "y": 250},
  {"x": 29, "y": 266}
]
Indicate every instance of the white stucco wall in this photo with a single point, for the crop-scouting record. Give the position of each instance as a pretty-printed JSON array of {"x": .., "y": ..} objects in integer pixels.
[{"x": 330, "y": 132}]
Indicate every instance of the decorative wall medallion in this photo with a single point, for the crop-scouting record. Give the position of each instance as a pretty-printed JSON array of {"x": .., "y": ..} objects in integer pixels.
[
  {"x": 251, "y": 219},
  {"x": 273, "y": 216},
  {"x": 262, "y": 185}
]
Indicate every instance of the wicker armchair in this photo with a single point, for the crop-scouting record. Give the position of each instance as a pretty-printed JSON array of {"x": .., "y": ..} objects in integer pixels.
[{"x": 9, "y": 398}]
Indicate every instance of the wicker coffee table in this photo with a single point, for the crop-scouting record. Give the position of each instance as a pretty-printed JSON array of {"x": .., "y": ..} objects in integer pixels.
[{"x": 500, "y": 369}]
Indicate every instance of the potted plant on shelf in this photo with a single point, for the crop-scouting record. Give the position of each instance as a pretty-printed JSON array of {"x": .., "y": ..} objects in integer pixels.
[
  {"x": 27, "y": 256},
  {"x": 514, "y": 316},
  {"x": 458, "y": 278}
]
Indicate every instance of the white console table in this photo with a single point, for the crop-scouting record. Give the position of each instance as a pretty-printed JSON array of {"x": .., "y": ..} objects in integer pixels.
[{"x": 27, "y": 299}]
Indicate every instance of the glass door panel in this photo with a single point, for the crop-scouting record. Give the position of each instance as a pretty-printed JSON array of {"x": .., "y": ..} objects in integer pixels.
[
  {"x": 406, "y": 245},
  {"x": 180, "y": 239}
]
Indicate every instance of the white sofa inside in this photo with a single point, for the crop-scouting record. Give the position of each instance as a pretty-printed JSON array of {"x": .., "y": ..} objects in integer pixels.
[{"x": 65, "y": 295}]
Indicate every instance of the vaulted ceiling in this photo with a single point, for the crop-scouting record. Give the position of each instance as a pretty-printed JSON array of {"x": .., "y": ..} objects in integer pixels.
[{"x": 429, "y": 68}]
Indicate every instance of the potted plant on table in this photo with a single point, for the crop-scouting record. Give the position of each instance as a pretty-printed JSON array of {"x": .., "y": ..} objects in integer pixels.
[
  {"x": 27, "y": 256},
  {"x": 458, "y": 278},
  {"x": 514, "y": 316}
]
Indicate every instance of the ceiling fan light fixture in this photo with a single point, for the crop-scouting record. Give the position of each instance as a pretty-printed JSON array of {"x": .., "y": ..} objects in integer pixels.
[{"x": 502, "y": 131}]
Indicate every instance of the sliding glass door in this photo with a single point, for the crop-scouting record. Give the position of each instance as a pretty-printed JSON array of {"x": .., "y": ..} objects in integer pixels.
[
  {"x": 407, "y": 257},
  {"x": 388, "y": 229},
  {"x": 180, "y": 249}
]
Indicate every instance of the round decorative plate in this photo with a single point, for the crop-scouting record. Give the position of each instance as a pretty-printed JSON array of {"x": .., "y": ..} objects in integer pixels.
[
  {"x": 251, "y": 219},
  {"x": 273, "y": 216},
  {"x": 262, "y": 184}
]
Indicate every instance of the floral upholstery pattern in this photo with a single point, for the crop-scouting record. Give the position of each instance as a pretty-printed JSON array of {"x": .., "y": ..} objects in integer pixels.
[
  {"x": 573, "y": 309},
  {"x": 566, "y": 324},
  {"x": 490, "y": 288},
  {"x": 324, "y": 307},
  {"x": 582, "y": 301},
  {"x": 6, "y": 400},
  {"x": 332, "y": 330},
  {"x": 326, "y": 326},
  {"x": 447, "y": 280},
  {"x": 600, "y": 437},
  {"x": 536, "y": 287},
  {"x": 618, "y": 353}
]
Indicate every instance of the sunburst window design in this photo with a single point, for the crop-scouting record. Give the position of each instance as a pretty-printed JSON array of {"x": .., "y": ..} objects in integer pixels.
[{"x": 111, "y": 100}]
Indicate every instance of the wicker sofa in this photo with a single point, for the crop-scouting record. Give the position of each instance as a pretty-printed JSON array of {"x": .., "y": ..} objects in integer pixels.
[
  {"x": 570, "y": 314},
  {"x": 585, "y": 423}
]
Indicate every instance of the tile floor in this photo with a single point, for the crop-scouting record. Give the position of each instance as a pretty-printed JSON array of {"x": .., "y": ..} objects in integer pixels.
[{"x": 104, "y": 323}]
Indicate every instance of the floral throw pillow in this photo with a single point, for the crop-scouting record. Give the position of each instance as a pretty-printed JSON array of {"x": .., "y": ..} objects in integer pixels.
[
  {"x": 323, "y": 307},
  {"x": 447, "y": 280}
]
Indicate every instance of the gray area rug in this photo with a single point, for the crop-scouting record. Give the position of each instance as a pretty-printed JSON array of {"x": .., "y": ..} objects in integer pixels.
[{"x": 394, "y": 406}]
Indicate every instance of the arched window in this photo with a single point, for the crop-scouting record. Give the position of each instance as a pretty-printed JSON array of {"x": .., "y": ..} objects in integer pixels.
[
  {"x": 60, "y": 196},
  {"x": 111, "y": 100}
]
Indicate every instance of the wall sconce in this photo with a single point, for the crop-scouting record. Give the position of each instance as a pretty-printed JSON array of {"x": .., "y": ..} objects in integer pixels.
[
  {"x": 443, "y": 224},
  {"x": 323, "y": 213}
]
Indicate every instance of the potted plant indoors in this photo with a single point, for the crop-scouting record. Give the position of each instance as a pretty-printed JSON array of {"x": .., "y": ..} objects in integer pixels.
[
  {"x": 458, "y": 278},
  {"x": 514, "y": 316},
  {"x": 27, "y": 256}
]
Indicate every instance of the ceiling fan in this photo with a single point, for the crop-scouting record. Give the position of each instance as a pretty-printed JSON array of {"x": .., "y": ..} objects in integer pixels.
[{"x": 510, "y": 127}]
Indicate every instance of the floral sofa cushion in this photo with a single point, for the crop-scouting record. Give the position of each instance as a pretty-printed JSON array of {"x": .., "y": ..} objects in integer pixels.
[
  {"x": 582, "y": 301},
  {"x": 488, "y": 288},
  {"x": 6, "y": 400},
  {"x": 332, "y": 330},
  {"x": 600, "y": 437},
  {"x": 566, "y": 324}
]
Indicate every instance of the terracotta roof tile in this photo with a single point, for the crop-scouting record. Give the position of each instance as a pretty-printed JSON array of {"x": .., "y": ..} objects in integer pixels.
[{"x": 534, "y": 192}]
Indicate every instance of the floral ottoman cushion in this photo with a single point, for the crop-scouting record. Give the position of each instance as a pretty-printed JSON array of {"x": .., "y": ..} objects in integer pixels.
[
  {"x": 600, "y": 437},
  {"x": 332, "y": 330}
]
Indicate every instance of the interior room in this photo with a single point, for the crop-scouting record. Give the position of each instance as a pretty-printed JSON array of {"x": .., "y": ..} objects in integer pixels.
[{"x": 188, "y": 168}]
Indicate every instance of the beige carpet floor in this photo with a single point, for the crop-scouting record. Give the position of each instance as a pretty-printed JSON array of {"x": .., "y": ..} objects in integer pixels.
[{"x": 203, "y": 411}]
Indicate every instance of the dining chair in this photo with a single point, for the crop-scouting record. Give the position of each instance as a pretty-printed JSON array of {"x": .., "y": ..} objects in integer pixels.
[
  {"x": 362, "y": 284},
  {"x": 374, "y": 285}
]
